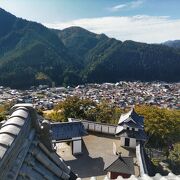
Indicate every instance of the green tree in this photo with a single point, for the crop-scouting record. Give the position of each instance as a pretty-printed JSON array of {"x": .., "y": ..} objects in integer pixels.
[
  {"x": 162, "y": 125},
  {"x": 75, "y": 107},
  {"x": 106, "y": 113},
  {"x": 174, "y": 158},
  {"x": 55, "y": 116},
  {"x": 4, "y": 110},
  {"x": 42, "y": 78}
]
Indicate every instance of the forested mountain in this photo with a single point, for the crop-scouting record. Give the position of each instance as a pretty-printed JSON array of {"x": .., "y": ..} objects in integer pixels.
[
  {"x": 31, "y": 54},
  {"x": 109, "y": 60},
  {"x": 80, "y": 41},
  {"x": 174, "y": 44}
]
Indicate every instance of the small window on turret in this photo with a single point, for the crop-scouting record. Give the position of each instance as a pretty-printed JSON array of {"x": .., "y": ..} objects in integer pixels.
[
  {"x": 127, "y": 128},
  {"x": 133, "y": 129}
]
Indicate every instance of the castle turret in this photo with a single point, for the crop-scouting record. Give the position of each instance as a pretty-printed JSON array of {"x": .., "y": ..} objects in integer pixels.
[{"x": 130, "y": 129}]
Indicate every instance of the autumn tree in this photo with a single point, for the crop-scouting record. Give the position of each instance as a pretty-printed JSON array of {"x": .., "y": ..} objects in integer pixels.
[
  {"x": 174, "y": 158},
  {"x": 162, "y": 125},
  {"x": 75, "y": 107}
]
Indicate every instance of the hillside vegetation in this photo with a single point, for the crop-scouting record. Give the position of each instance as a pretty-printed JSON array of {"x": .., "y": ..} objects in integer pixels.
[
  {"x": 28, "y": 49},
  {"x": 31, "y": 54}
]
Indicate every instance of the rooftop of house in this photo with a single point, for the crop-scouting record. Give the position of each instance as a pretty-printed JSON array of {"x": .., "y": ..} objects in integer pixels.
[
  {"x": 120, "y": 164},
  {"x": 132, "y": 116},
  {"x": 67, "y": 130}
]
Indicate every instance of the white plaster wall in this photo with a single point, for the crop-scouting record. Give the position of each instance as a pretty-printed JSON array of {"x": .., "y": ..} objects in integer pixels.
[
  {"x": 125, "y": 126},
  {"x": 85, "y": 125},
  {"x": 98, "y": 127},
  {"x": 132, "y": 142},
  {"x": 104, "y": 129},
  {"x": 77, "y": 147},
  {"x": 91, "y": 127},
  {"x": 112, "y": 130},
  {"x": 122, "y": 141}
]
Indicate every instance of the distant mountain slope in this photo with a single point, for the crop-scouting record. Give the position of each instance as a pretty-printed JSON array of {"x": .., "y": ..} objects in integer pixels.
[
  {"x": 79, "y": 41},
  {"x": 174, "y": 44},
  {"x": 107, "y": 59},
  {"x": 31, "y": 54},
  {"x": 28, "y": 49}
]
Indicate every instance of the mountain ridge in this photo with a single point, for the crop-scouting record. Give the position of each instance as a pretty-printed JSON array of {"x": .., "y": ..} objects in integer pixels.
[
  {"x": 117, "y": 59},
  {"x": 31, "y": 48},
  {"x": 32, "y": 54},
  {"x": 173, "y": 43}
]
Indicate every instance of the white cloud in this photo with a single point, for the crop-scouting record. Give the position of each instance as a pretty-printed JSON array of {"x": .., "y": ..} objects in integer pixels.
[
  {"x": 142, "y": 28},
  {"x": 129, "y": 5},
  {"x": 118, "y": 7}
]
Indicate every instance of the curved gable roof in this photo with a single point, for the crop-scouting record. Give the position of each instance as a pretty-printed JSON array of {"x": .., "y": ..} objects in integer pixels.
[
  {"x": 26, "y": 150},
  {"x": 131, "y": 116}
]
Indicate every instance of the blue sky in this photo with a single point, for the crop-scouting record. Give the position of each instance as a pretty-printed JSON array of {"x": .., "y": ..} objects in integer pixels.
[{"x": 151, "y": 21}]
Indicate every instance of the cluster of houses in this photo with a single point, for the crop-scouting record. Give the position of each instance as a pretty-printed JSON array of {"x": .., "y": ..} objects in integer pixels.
[
  {"x": 126, "y": 94},
  {"x": 122, "y": 94}
]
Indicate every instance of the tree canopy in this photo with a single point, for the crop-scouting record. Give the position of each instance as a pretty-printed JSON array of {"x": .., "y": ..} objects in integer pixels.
[
  {"x": 161, "y": 125},
  {"x": 75, "y": 107}
]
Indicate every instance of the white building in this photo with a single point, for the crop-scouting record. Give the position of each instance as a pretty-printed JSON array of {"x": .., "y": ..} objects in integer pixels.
[{"x": 130, "y": 129}]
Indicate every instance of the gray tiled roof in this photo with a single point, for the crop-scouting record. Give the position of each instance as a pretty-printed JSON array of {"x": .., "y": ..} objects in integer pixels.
[
  {"x": 132, "y": 115},
  {"x": 121, "y": 165},
  {"x": 67, "y": 130},
  {"x": 26, "y": 150}
]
